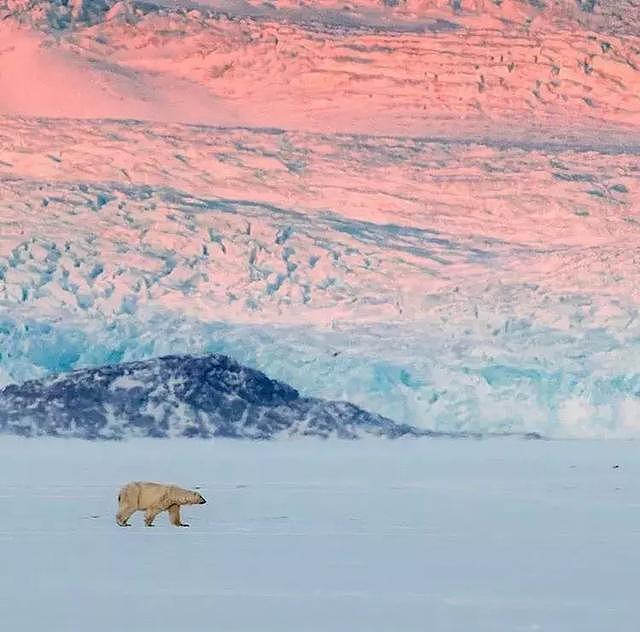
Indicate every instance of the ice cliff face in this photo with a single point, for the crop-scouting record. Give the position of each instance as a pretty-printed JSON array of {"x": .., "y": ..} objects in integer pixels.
[
  {"x": 179, "y": 396},
  {"x": 430, "y": 209},
  {"x": 457, "y": 286}
]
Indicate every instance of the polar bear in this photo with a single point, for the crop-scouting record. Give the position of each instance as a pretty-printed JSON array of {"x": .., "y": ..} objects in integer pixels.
[{"x": 154, "y": 498}]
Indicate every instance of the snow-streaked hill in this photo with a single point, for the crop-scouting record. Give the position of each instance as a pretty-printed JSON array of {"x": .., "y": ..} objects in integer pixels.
[{"x": 179, "y": 396}]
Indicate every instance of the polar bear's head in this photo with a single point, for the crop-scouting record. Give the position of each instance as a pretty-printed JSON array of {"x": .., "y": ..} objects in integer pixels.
[{"x": 192, "y": 498}]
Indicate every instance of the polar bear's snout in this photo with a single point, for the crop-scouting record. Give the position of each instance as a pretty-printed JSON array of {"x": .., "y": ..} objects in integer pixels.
[{"x": 201, "y": 500}]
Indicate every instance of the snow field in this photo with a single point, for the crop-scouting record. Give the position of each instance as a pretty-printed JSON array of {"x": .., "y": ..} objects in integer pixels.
[{"x": 443, "y": 535}]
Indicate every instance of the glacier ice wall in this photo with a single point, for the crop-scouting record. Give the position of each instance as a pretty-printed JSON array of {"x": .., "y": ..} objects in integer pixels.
[
  {"x": 529, "y": 379},
  {"x": 457, "y": 286}
]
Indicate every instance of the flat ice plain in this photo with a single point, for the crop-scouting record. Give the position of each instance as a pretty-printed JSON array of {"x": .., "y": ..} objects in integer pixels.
[{"x": 438, "y": 535}]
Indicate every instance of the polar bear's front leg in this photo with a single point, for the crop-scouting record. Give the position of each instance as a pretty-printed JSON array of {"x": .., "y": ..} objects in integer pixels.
[
  {"x": 174, "y": 516},
  {"x": 162, "y": 504}
]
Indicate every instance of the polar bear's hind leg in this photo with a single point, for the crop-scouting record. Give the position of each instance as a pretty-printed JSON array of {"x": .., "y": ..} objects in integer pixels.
[
  {"x": 125, "y": 510},
  {"x": 123, "y": 516}
]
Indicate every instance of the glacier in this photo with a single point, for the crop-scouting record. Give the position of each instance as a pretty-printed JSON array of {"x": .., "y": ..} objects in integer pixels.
[
  {"x": 456, "y": 255},
  {"x": 562, "y": 386}
]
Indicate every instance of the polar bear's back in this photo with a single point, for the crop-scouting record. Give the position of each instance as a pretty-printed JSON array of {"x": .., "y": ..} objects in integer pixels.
[{"x": 143, "y": 494}]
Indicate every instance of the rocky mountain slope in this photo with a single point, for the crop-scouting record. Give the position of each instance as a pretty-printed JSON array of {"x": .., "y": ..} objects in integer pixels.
[{"x": 179, "y": 396}]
